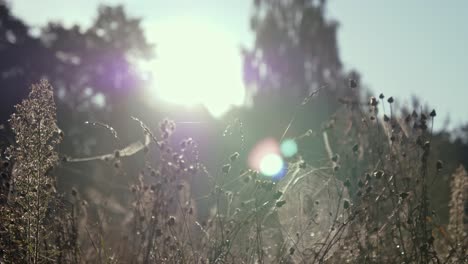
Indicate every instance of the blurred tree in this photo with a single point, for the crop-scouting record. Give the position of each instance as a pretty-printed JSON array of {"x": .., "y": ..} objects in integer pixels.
[
  {"x": 295, "y": 47},
  {"x": 93, "y": 74},
  {"x": 92, "y": 70},
  {"x": 22, "y": 61},
  {"x": 98, "y": 60},
  {"x": 295, "y": 53}
]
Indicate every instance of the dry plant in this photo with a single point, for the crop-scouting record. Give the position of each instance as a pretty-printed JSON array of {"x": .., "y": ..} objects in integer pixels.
[
  {"x": 367, "y": 202},
  {"x": 34, "y": 227}
]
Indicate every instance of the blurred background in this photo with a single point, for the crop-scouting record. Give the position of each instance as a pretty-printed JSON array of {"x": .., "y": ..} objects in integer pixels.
[{"x": 231, "y": 71}]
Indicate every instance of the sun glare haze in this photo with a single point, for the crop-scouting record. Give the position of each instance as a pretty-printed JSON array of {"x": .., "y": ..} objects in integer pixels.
[
  {"x": 197, "y": 63},
  {"x": 241, "y": 131}
]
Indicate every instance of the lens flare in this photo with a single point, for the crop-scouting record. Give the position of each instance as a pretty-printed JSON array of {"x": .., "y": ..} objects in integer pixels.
[
  {"x": 266, "y": 158},
  {"x": 271, "y": 165},
  {"x": 288, "y": 148}
]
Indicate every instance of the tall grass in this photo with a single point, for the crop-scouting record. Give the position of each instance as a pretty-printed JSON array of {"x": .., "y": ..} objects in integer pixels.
[{"x": 368, "y": 202}]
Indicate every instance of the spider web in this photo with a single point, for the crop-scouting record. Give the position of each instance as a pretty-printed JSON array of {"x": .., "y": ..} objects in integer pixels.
[{"x": 314, "y": 209}]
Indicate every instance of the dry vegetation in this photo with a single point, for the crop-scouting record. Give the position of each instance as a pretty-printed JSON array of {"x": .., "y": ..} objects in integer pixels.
[{"x": 368, "y": 203}]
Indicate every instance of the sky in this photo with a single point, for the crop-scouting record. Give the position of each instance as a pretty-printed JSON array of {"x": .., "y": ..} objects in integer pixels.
[{"x": 401, "y": 47}]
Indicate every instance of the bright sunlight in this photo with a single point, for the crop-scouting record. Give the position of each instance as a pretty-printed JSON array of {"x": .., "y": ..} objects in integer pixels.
[{"x": 197, "y": 63}]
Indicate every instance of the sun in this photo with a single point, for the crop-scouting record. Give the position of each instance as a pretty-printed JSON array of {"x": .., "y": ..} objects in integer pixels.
[{"x": 197, "y": 63}]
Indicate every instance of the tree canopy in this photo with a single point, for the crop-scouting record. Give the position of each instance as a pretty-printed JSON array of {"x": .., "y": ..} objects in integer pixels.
[{"x": 83, "y": 64}]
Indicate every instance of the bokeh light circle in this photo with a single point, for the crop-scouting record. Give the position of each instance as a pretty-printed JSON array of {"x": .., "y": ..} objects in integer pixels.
[
  {"x": 266, "y": 158},
  {"x": 288, "y": 148},
  {"x": 271, "y": 165}
]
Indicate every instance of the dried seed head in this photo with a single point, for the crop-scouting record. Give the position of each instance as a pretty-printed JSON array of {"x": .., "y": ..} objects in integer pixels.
[
  {"x": 268, "y": 185},
  {"x": 302, "y": 165},
  {"x": 277, "y": 195},
  {"x": 373, "y": 101},
  {"x": 158, "y": 232},
  {"x": 226, "y": 168},
  {"x": 408, "y": 118},
  {"x": 431, "y": 240},
  {"x": 234, "y": 156},
  {"x": 368, "y": 177},
  {"x": 246, "y": 179},
  {"x": 419, "y": 141},
  {"x": 378, "y": 174},
  {"x": 423, "y": 117},
  {"x": 254, "y": 175},
  {"x": 335, "y": 158},
  {"x": 423, "y": 125},
  {"x": 427, "y": 145},
  {"x": 154, "y": 173},
  {"x": 439, "y": 165},
  {"x": 171, "y": 221},
  {"x": 433, "y": 113},
  {"x": 352, "y": 83},
  {"x": 280, "y": 203},
  {"x": 390, "y": 100},
  {"x": 346, "y": 204},
  {"x": 61, "y": 134},
  {"x": 360, "y": 183},
  {"x": 386, "y": 118},
  {"x": 347, "y": 183},
  {"x": 404, "y": 195},
  {"x": 355, "y": 147}
]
